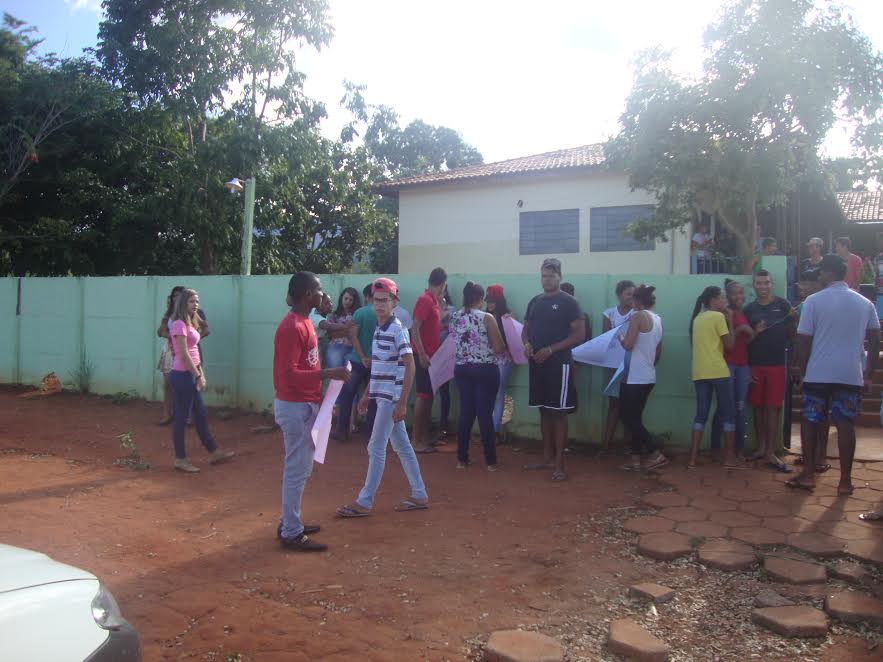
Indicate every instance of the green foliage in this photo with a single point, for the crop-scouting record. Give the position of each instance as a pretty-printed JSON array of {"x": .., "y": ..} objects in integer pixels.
[
  {"x": 81, "y": 377},
  {"x": 746, "y": 135},
  {"x": 123, "y": 397}
]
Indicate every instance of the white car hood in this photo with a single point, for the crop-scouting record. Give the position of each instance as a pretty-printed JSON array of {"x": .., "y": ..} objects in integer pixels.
[{"x": 23, "y": 568}]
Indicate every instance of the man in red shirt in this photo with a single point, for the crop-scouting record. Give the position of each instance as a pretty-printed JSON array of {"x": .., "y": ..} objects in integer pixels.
[
  {"x": 297, "y": 380},
  {"x": 425, "y": 337},
  {"x": 853, "y": 262}
]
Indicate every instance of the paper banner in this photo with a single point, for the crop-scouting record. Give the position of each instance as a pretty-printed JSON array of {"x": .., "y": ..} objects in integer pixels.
[
  {"x": 612, "y": 388},
  {"x": 605, "y": 350},
  {"x": 322, "y": 426},
  {"x": 441, "y": 367},
  {"x": 512, "y": 328}
]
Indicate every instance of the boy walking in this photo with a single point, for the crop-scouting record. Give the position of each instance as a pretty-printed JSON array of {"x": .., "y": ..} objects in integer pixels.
[
  {"x": 297, "y": 380},
  {"x": 392, "y": 374}
]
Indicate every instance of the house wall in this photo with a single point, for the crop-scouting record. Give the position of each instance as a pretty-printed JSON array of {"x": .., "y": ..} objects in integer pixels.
[
  {"x": 112, "y": 322},
  {"x": 475, "y": 226}
]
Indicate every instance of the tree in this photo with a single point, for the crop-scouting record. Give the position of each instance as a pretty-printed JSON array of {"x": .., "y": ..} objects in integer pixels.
[
  {"x": 746, "y": 135},
  {"x": 848, "y": 174}
]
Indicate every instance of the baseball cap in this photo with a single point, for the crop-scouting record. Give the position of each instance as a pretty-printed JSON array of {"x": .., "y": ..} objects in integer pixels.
[
  {"x": 815, "y": 240},
  {"x": 552, "y": 263},
  {"x": 494, "y": 292},
  {"x": 386, "y": 285}
]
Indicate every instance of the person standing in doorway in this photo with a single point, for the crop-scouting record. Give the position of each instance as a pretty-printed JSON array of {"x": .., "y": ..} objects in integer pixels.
[
  {"x": 425, "y": 334},
  {"x": 700, "y": 246},
  {"x": 710, "y": 333},
  {"x": 392, "y": 374},
  {"x": 835, "y": 325},
  {"x": 361, "y": 336},
  {"x": 297, "y": 381},
  {"x": 642, "y": 336},
  {"x": 553, "y": 325},
  {"x": 854, "y": 263},
  {"x": 612, "y": 318},
  {"x": 188, "y": 381},
  {"x": 772, "y": 320},
  {"x": 476, "y": 372}
]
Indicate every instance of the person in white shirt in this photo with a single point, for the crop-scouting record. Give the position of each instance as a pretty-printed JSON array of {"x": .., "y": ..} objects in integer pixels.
[
  {"x": 701, "y": 244},
  {"x": 612, "y": 318},
  {"x": 834, "y": 325}
]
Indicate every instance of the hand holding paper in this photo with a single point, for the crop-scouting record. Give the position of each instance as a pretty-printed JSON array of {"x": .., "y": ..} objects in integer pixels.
[{"x": 513, "y": 328}]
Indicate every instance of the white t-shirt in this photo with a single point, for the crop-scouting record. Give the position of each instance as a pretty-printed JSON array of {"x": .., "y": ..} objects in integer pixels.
[
  {"x": 701, "y": 239},
  {"x": 617, "y": 318},
  {"x": 316, "y": 318},
  {"x": 837, "y": 319},
  {"x": 642, "y": 368}
]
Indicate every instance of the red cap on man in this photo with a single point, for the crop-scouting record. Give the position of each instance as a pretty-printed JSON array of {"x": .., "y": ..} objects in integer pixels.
[{"x": 386, "y": 285}]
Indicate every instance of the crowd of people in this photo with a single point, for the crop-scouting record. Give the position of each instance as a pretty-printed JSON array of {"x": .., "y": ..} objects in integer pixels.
[{"x": 743, "y": 356}]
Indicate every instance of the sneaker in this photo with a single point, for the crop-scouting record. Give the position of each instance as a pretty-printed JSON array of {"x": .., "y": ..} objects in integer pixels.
[
  {"x": 218, "y": 455},
  {"x": 655, "y": 461},
  {"x": 302, "y": 544},
  {"x": 186, "y": 467},
  {"x": 309, "y": 529}
]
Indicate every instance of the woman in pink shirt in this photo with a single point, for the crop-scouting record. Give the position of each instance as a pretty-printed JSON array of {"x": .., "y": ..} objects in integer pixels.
[{"x": 187, "y": 379}]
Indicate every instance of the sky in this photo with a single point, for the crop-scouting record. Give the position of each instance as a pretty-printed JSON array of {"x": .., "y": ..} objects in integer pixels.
[{"x": 514, "y": 77}]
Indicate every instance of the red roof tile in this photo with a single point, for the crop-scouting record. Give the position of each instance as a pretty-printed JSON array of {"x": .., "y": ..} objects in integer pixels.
[
  {"x": 586, "y": 156},
  {"x": 861, "y": 206}
]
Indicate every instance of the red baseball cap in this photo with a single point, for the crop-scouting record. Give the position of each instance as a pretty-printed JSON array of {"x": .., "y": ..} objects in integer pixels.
[
  {"x": 386, "y": 285},
  {"x": 494, "y": 292}
]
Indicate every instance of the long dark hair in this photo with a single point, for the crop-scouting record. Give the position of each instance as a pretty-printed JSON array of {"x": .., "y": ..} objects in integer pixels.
[
  {"x": 501, "y": 308},
  {"x": 644, "y": 295},
  {"x": 170, "y": 301},
  {"x": 357, "y": 301},
  {"x": 708, "y": 295},
  {"x": 472, "y": 294}
]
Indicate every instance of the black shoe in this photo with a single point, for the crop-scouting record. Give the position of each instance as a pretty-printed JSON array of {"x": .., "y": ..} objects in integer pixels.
[
  {"x": 302, "y": 544},
  {"x": 309, "y": 529}
]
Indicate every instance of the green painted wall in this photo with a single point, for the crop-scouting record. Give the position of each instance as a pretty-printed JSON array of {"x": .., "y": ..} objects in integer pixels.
[{"x": 115, "y": 321}]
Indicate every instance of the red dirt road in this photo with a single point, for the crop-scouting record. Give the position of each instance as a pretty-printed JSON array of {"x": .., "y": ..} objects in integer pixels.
[{"x": 195, "y": 565}]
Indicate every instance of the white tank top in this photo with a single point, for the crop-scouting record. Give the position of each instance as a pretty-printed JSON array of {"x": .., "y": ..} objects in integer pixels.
[
  {"x": 642, "y": 369},
  {"x": 617, "y": 318}
]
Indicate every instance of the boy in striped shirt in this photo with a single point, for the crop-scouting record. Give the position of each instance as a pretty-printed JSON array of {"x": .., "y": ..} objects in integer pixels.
[{"x": 392, "y": 373}]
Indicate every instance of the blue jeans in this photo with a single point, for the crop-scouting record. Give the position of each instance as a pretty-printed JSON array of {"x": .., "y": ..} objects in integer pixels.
[
  {"x": 348, "y": 396},
  {"x": 505, "y": 369},
  {"x": 186, "y": 400},
  {"x": 385, "y": 430},
  {"x": 296, "y": 420},
  {"x": 740, "y": 377},
  {"x": 335, "y": 355},
  {"x": 477, "y": 384},
  {"x": 705, "y": 390}
]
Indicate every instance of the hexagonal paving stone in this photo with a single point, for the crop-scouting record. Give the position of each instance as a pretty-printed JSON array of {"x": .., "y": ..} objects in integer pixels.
[
  {"x": 792, "y": 571},
  {"x": 521, "y": 646},
  {"x": 701, "y": 529},
  {"x": 849, "y": 571},
  {"x": 734, "y": 518},
  {"x": 757, "y": 535},
  {"x": 683, "y": 514},
  {"x": 818, "y": 513},
  {"x": 848, "y": 531},
  {"x": 699, "y": 491},
  {"x": 727, "y": 555},
  {"x": 664, "y": 499},
  {"x": 654, "y": 592},
  {"x": 788, "y": 524},
  {"x": 713, "y": 503},
  {"x": 648, "y": 524},
  {"x": 765, "y": 509},
  {"x": 876, "y": 485},
  {"x": 742, "y": 494},
  {"x": 866, "y": 550},
  {"x": 792, "y": 621},
  {"x": 817, "y": 544},
  {"x": 852, "y": 607},
  {"x": 633, "y": 642},
  {"x": 665, "y": 546}
]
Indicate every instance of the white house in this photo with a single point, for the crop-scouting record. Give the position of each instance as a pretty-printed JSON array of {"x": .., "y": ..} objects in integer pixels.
[{"x": 503, "y": 217}]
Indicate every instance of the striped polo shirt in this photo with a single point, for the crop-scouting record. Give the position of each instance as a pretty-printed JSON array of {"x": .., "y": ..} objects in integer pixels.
[{"x": 390, "y": 344}]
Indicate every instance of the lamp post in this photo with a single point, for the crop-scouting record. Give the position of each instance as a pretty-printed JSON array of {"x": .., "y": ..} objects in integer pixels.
[{"x": 235, "y": 186}]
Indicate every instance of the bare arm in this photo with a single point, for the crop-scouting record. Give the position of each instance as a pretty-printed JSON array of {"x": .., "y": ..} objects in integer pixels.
[
  {"x": 630, "y": 337},
  {"x": 606, "y": 324},
  {"x": 163, "y": 330},
  {"x": 525, "y": 334},
  {"x": 576, "y": 337},
  {"x": 873, "y": 338},
  {"x": 401, "y": 408},
  {"x": 417, "y": 341},
  {"x": 493, "y": 334},
  {"x": 658, "y": 353}
]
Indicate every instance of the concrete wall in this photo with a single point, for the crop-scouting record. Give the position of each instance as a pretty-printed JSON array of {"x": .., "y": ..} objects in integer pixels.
[
  {"x": 472, "y": 227},
  {"x": 114, "y": 321}
]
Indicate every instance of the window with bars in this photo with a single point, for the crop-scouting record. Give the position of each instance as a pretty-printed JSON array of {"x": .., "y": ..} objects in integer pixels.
[
  {"x": 549, "y": 232},
  {"x": 608, "y": 228}
]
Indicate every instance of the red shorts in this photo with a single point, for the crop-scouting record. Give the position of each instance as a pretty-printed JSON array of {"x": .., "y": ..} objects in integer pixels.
[{"x": 767, "y": 386}]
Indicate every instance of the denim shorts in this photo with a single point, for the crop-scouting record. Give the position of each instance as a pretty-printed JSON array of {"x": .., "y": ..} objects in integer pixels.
[{"x": 842, "y": 400}]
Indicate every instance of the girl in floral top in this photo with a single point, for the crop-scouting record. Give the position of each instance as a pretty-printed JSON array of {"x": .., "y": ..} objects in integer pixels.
[
  {"x": 476, "y": 372},
  {"x": 340, "y": 345}
]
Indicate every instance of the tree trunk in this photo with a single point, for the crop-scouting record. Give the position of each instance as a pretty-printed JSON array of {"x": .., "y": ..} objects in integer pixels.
[{"x": 208, "y": 262}]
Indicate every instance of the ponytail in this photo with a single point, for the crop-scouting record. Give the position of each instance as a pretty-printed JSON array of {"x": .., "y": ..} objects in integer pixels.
[{"x": 708, "y": 295}]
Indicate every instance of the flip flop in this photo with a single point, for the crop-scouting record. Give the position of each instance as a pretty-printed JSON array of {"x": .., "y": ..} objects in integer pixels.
[
  {"x": 406, "y": 505},
  {"x": 351, "y": 511},
  {"x": 795, "y": 484},
  {"x": 822, "y": 468},
  {"x": 871, "y": 516},
  {"x": 537, "y": 466},
  {"x": 558, "y": 476},
  {"x": 780, "y": 466}
]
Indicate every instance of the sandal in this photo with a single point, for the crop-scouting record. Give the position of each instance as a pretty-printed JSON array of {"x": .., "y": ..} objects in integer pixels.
[
  {"x": 780, "y": 466},
  {"x": 410, "y": 504},
  {"x": 352, "y": 511},
  {"x": 558, "y": 476},
  {"x": 871, "y": 516},
  {"x": 822, "y": 468},
  {"x": 657, "y": 463},
  {"x": 795, "y": 484}
]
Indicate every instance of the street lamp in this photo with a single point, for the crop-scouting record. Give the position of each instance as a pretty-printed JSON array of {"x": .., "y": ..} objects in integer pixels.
[{"x": 235, "y": 185}]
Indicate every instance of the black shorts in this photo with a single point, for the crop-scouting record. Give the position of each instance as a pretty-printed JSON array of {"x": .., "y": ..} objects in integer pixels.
[
  {"x": 421, "y": 379},
  {"x": 551, "y": 385}
]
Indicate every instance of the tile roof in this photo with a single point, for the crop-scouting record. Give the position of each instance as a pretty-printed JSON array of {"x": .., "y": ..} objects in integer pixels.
[
  {"x": 586, "y": 156},
  {"x": 861, "y": 206}
]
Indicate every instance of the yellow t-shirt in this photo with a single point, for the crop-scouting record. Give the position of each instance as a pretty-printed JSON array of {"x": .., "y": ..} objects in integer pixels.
[{"x": 708, "y": 348}]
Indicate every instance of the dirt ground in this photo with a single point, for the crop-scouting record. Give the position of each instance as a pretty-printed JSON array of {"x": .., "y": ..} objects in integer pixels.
[{"x": 195, "y": 565}]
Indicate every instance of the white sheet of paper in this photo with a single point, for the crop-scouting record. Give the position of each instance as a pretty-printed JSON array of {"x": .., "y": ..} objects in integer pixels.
[
  {"x": 513, "y": 328},
  {"x": 322, "y": 426},
  {"x": 441, "y": 367},
  {"x": 605, "y": 350}
]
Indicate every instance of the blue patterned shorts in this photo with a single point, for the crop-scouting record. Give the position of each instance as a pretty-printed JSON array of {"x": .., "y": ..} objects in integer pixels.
[{"x": 842, "y": 400}]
